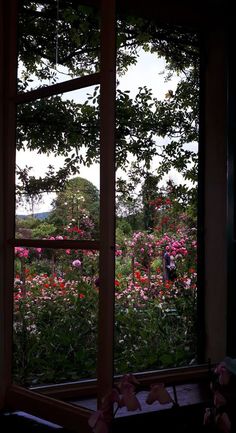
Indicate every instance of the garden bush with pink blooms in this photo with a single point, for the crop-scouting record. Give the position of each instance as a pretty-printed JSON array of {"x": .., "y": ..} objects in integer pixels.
[
  {"x": 56, "y": 306},
  {"x": 155, "y": 319},
  {"x": 56, "y": 300}
]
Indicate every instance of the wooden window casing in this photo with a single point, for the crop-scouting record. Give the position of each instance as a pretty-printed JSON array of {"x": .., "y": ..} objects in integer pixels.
[
  {"x": 14, "y": 396},
  {"x": 213, "y": 106}
]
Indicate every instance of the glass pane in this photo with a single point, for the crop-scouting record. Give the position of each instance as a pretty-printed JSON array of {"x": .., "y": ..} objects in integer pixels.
[
  {"x": 57, "y": 167},
  {"x": 55, "y": 315},
  {"x": 57, "y": 41},
  {"x": 157, "y": 169}
]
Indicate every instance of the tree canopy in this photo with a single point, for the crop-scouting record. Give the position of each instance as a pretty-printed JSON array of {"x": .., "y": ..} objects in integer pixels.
[
  {"x": 77, "y": 206},
  {"x": 67, "y": 39}
]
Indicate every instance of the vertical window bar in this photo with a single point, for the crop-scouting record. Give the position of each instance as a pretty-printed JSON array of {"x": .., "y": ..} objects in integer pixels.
[
  {"x": 201, "y": 210},
  {"x": 107, "y": 197},
  {"x": 231, "y": 202},
  {"x": 7, "y": 149}
]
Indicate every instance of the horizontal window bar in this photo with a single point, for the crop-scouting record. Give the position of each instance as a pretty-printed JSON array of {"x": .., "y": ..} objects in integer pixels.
[
  {"x": 55, "y": 89},
  {"x": 64, "y": 244}
]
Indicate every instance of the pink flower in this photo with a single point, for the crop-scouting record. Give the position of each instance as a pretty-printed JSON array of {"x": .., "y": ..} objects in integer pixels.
[
  {"x": 224, "y": 374},
  {"x": 223, "y": 422},
  {"x": 219, "y": 399},
  {"x": 98, "y": 423},
  {"x": 118, "y": 253},
  {"x": 207, "y": 416},
  {"x": 21, "y": 252},
  {"x": 76, "y": 263},
  {"x": 159, "y": 393},
  {"x": 128, "y": 396},
  {"x": 100, "y": 420}
]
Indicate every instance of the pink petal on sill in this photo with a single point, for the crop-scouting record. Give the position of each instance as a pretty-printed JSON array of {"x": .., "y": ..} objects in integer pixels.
[
  {"x": 93, "y": 419},
  {"x": 207, "y": 419},
  {"x": 128, "y": 378},
  {"x": 98, "y": 423},
  {"x": 131, "y": 402},
  {"x": 158, "y": 392},
  {"x": 219, "y": 399},
  {"x": 132, "y": 379},
  {"x": 223, "y": 423}
]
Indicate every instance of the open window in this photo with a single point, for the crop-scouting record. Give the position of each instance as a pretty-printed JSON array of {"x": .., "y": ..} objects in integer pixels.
[
  {"x": 56, "y": 100},
  {"x": 87, "y": 286}
]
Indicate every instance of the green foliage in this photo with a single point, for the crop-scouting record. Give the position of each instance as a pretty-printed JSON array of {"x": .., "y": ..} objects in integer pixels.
[
  {"x": 44, "y": 230},
  {"x": 149, "y": 192},
  {"x": 55, "y": 337},
  {"x": 124, "y": 227},
  {"x": 55, "y": 317},
  {"x": 25, "y": 226},
  {"x": 123, "y": 230},
  {"x": 156, "y": 263},
  {"x": 57, "y": 126},
  {"x": 74, "y": 27},
  {"x": 55, "y": 332},
  {"x": 55, "y": 323},
  {"x": 77, "y": 205},
  {"x": 69, "y": 38},
  {"x": 123, "y": 266},
  {"x": 154, "y": 335}
]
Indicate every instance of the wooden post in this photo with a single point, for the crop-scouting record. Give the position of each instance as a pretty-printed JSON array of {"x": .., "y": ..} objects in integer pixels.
[
  {"x": 107, "y": 198},
  {"x": 8, "y": 67}
]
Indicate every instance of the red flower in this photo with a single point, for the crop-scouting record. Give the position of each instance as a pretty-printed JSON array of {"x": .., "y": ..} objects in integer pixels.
[
  {"x": 192, "y": 271},
  {"x": 143, "y": 279}
]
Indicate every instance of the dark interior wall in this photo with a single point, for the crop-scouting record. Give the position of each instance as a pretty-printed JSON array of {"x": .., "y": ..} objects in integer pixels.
[
  {"x": 215, "y": 241},
  {"x": 187, "y": 13},
  {"x": 1, "y": 187},
  {"x": 8, "y": 15}
]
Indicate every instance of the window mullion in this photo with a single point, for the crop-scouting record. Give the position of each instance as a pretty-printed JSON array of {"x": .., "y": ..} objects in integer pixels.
[
  {"x": 107, "y": 197},
  {"x": 8, "y": 118}
]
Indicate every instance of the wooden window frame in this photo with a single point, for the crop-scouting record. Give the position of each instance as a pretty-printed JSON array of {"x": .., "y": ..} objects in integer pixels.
[
  {"x": 14, "y": 396},
  {"x": 231, "y": 192},
  {"x": 45, "y": 401}
]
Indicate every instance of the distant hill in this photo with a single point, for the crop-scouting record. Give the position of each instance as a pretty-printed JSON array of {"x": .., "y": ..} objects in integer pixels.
[{"x": 40, "y": 216}]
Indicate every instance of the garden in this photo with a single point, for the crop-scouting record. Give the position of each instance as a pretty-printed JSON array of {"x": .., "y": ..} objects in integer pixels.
[
  {"x": 56, "y": 295},
  {"x": 56, "y": 291}
]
